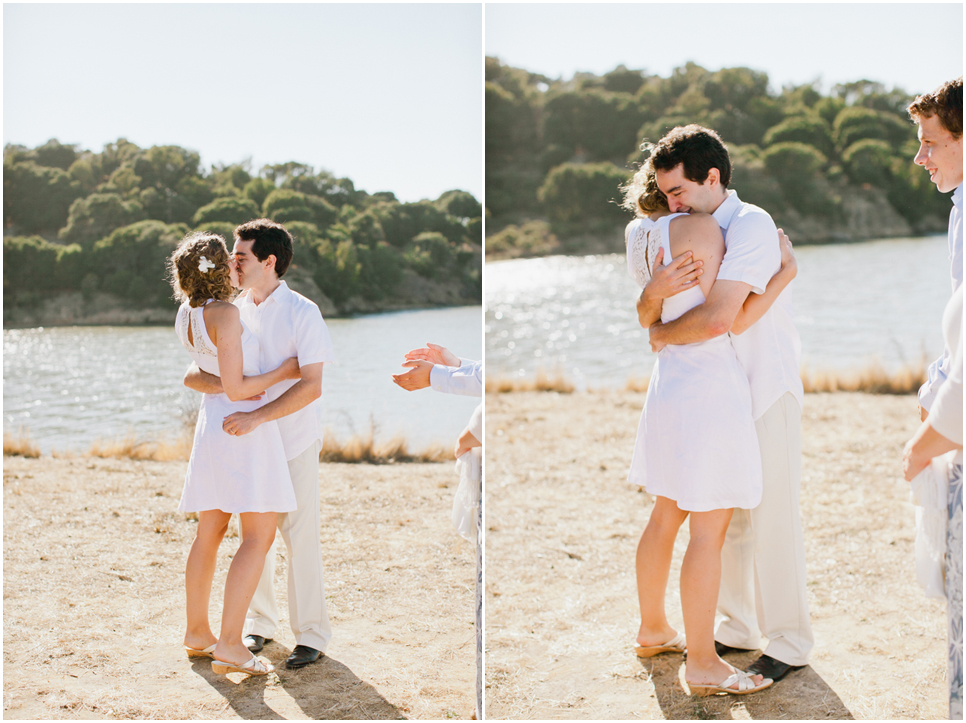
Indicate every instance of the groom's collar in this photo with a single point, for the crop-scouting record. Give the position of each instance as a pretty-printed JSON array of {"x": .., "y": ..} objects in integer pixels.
[
  {"x": 724, "y": 213},
  {"x": 281, "y": 295},
  {"x": 958, "y": 197}
]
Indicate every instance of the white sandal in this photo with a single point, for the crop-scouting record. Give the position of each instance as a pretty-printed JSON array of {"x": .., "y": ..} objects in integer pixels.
[
  {"x": 208, "y": 652},
  {"x": 254, "y": 666},
  {"x": 677, "y": 644},
  {"x": 745, "y": 685}
]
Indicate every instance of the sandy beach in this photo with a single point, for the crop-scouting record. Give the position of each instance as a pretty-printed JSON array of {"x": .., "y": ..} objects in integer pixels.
[
  {"x": 561, "y": 606},
  {"x": 94, "y": 553}
]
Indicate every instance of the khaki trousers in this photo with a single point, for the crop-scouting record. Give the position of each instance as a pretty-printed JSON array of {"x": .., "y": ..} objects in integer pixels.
[
  {"x": 307, "y": 612},
  {"x": 763, "y": 558}
]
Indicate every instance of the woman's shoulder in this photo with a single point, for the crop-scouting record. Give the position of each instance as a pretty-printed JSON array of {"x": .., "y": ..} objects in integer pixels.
[
  {"x": 696, "y": 230},
  {"x": 220, "y": 311}
]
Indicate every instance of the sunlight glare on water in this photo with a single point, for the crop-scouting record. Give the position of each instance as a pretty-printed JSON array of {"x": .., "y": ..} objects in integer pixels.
[
  {"x": 72, "y": 385},
  {"x": 854, "y": 304}
]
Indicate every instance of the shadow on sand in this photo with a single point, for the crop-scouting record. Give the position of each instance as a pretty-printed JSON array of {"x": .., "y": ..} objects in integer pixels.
[
  {"x": 326, "y": 689},
  {"x": 801, "y": 695}
]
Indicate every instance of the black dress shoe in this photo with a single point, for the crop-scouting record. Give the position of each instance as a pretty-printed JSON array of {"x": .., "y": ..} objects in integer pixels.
[
  {"x": 767, "y": 667},
  {"x": 255, "y": 643},
  {"x": 721, "y": 649},
  {"x": 302, "y": 656}
]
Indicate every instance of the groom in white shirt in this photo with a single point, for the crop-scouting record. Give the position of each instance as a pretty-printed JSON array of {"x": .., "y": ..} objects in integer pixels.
[
  {"x": 763, "y": 556},
  {"x": 286, "y": 325}
]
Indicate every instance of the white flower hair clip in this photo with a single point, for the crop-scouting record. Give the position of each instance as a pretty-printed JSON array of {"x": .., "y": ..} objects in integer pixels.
[{"x": 204, "y": 265}]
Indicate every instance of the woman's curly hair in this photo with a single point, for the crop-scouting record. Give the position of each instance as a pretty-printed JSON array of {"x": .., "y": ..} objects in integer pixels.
[
  {"x": 641, "y": 194},
  {"x": 188, "y": 281}
]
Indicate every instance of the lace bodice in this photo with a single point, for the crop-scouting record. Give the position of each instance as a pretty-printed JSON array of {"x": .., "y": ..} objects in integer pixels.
[
  {"x": 641, "y": 249},
  {"x": 202, "y": 348},
  {"x": 643, "y": 238}
]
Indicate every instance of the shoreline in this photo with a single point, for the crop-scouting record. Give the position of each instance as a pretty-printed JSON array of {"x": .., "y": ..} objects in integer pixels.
[{"x": 154, "y": 317}]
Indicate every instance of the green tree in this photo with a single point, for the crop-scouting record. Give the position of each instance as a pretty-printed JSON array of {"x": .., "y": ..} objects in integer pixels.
[
  {"x": 257, "y": 190},
  {"x": 96, "y": 216},
  {"x": 54, "y": 155},
  {"x": 809, "y": 129},
  {"x": 869, "y": 161},
  {"x": 131, "y": 261},
  {"x": 796, "y": 167},
  {"x": 230, "y": 209},
  {"x": 583, "y": 196},
  {"x": 37, "y": 198},
  {"x": 459, "y": 204}
]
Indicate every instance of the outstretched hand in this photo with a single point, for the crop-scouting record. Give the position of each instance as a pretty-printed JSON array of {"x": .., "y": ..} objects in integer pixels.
[
  {"x": 415, "y": 378},
  {"x": 435, "y": 354}
]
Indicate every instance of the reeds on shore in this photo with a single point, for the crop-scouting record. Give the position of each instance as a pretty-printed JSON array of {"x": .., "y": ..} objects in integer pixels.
[
  {"x": 543, "y": 382},
  {"x": 357, "y": 449},
  {"x": 872, "y": 379},
  {"x": 20, "y": 445}
]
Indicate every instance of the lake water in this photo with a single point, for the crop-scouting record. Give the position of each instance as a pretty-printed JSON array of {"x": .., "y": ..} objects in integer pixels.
[
  {"x": 72, "y": 385},
  {"x": 854, "y": 303}
]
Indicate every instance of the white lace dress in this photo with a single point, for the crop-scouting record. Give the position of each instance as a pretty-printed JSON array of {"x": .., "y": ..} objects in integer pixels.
[
  {"x": 248, "y": 473},
  {"x": 696, "y": 442}
]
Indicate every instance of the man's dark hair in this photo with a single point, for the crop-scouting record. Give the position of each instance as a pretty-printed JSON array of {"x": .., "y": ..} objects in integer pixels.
[
  {"x": 269, "y": 239},
  {"x": 946, "y": 102},
  {"x": 697, "y": 148}
]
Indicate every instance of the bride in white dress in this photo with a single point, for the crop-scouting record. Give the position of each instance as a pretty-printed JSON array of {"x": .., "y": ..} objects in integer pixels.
[
  {"x": 696, "y": 449},
  {"x": 226, "y": 474}
]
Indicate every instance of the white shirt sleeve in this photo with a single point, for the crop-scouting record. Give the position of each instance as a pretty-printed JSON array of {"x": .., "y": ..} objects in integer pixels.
[
  {"x": 466, "y": 379},
  {"x": 946, "y": 415},
  {"x": 312, "y": 337},
  {"x": 752, "y": 253}
]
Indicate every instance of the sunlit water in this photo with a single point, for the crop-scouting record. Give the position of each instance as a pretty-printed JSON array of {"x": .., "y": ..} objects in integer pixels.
[
  {"x": 72, "y": 385},
  {"x": 854, "y": 304}
]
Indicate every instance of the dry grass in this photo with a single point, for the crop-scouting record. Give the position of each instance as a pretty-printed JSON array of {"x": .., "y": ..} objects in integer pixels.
[
  {"x": 128, "y": 447},
  {"x": 364, "y": 448},
  {"x": 873, "y": 379},
  {"x": 19, "y": 446},
  {"x": 357, "y": 449},
  {"x": 554, "y": 381}
]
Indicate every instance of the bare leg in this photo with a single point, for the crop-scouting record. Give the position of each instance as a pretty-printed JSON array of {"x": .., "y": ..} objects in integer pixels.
[
  {"x": 700, "y": 580},
  {"x": 198, "y": 574},
  {"x": 653, "y": 567},
  {"x": 246, "y": 568}
]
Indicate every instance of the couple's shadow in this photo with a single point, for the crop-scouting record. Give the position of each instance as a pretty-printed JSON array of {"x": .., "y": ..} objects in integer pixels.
[
  {"x": 326, "y": 689},
  {"x": 801, "y": 695}
]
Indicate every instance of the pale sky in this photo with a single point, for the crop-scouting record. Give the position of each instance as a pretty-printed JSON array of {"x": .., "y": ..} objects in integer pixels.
[
  {"x": 388, "y": 95},
  {"x": 915, "y": 47}
]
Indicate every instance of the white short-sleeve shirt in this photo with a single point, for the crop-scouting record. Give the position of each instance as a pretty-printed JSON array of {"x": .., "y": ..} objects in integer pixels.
[
  {"x": 287, "y": 324},
  {"x": 770, "y": 351}
]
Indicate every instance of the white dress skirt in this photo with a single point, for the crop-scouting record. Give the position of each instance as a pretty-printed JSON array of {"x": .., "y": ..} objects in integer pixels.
[
  {"x": 248, "y": 473},
  {"x": 696, "y": 442}
]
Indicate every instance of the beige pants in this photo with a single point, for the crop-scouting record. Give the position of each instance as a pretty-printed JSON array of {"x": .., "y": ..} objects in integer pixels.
[
  {"x": 763, "y": 558},
  {"x": 307, "y": 612}
]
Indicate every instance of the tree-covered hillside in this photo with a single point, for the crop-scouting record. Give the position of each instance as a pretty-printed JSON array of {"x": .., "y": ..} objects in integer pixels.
[
  {"x": 827, "y": 167},
  {"x": 103, "y": 224}
]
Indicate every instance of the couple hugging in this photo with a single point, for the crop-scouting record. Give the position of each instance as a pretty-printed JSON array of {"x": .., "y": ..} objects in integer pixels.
[
  {"x": 257, "y": 458},
  {"x": 720, "y": 435}
]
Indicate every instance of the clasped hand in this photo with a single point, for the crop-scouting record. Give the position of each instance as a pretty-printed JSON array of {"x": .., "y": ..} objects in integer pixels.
[{"x": 421, "y": 362}]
